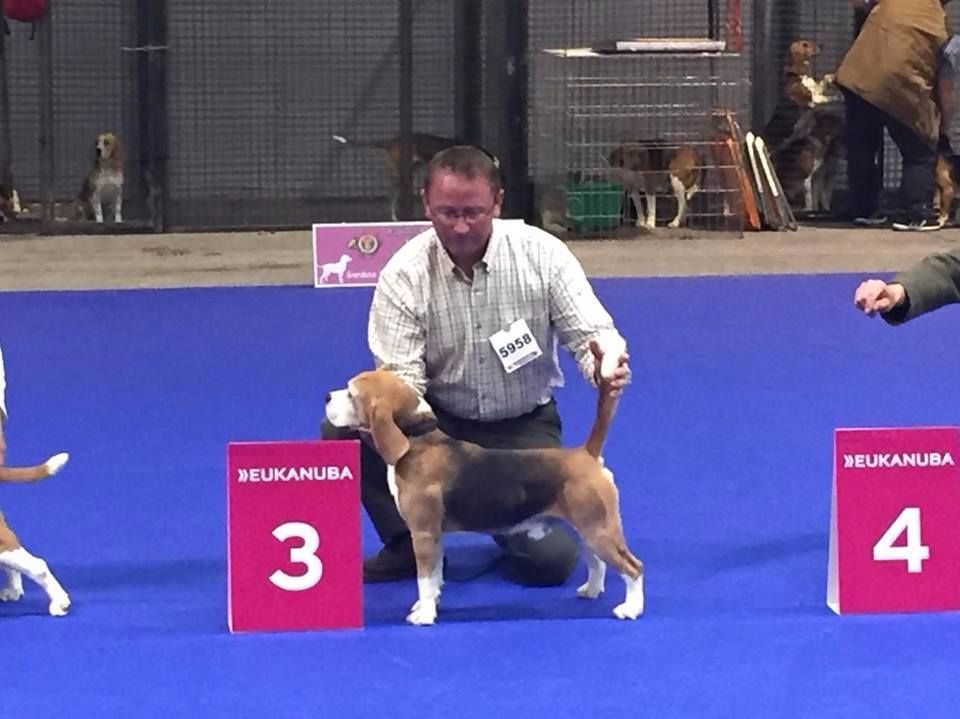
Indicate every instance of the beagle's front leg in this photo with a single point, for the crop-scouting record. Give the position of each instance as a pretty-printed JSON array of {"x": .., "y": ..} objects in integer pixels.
[{"x": 428, "y": 549}]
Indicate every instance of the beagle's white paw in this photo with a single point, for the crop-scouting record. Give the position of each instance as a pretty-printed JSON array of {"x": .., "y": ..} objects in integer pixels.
[
  {"x": 628, "y": 610},
  {"x": 59, "y": 606},
  {"x": 56, "y": 462},
  {"x": 423, "y": 613},
  {"x": 10, "y": 594},
  {"x": 589, "y": 591}
]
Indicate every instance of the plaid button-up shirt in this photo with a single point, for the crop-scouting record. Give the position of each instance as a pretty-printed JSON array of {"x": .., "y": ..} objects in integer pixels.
[
  {"x": 432, "y": 325},
  {"x": 3, "y": 389}
]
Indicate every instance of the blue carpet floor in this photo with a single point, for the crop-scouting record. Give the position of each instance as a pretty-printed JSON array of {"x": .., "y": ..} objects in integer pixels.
[{"x": 722, "y": 449}]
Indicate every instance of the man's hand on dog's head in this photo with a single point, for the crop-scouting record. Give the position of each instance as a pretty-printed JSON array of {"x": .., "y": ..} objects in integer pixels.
[{"x": 614, "y": 384}]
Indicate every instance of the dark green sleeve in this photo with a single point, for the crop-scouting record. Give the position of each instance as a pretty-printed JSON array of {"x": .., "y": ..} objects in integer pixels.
[{"x": 931, "y": 283}]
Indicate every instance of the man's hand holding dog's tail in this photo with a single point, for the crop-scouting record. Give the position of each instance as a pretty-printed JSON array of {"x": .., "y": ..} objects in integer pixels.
[{"x": 613, "y": 374}]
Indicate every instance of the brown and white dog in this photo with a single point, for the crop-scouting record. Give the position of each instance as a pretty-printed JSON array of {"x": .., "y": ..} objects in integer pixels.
[
  {"x": 16, "y": 560},
  {"x": 646, "y": 167},
  {"x": 800, "y": 93},
  {"x": 10, "y": 207},
  {"x": 425, "y": 146},
  {"x": 948, "y": 185},
  {"x": 808, "y": 166},
  {"x": 104, "y": 183},
  {"x": 442, "y": 484},
  {"x": 799, "y": 84}
]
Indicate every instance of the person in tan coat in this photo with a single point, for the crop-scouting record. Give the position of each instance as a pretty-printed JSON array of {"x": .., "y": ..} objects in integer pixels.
[{"x": 898, "y": 75}]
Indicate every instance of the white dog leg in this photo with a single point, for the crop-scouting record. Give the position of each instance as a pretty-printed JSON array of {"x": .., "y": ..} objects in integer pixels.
[
  {"x": 680, "y": 192},
  {"x": 424, "y": 610},
  {"x": 428, "y": 546},
  {"x": 13, "y": 589},
  {"x": 638, "y": 206},
  {"x": 118, "y": 208},
  {"x": 392, "y": 484},
  {"x": 97, "y": 208},
  {"x": 632, "y": 606},
  {"x": 651, "y": 210},
  {"x": 596, "y": 576},
  {"x": 808, "y": 193},
  {"x": 21, "y": 560}
]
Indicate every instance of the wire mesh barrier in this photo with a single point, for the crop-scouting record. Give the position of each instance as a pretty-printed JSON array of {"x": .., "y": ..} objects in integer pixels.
[
  {"x": 798, "y": 109},
  {"x": 240, "y": 113},
  {"x": 69, "y": 82},
  {"x": 628, "y": 141},
  {"x": 806, "y": 42}
]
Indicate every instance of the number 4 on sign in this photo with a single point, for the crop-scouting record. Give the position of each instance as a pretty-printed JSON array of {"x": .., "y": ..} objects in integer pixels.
[{"x": 913, "y": 552}]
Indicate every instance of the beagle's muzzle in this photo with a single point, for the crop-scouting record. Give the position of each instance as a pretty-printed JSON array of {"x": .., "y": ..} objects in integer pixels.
[{"x": 442, "y": 484}]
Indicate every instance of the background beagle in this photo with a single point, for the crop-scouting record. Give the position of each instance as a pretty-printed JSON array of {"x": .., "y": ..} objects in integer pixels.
[
  {"x": 948, "y": 179},
  {"x": 16, "y": 560},
  {"x": 646, "y": 167},
  {"x": 442, "y": 484},
  {"x": 425, "y": 146},
  {"x": 104, "y": 182}
]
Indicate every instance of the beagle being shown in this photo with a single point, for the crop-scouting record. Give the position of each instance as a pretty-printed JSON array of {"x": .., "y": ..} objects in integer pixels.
[
  {"x": 647, "y": 167},
  {"x": 442, "y": 484},
  {"x": 104, "y": 183},
  {"x": 14, "y": 559}
]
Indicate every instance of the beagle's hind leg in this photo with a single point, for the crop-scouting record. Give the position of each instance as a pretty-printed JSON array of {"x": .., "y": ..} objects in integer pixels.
[
  {"x": 13, "y": 589},
  {"x": 596, "y": 576},
  {"x": 20, "y": 560},
  {"x": 597, "y": 519}
]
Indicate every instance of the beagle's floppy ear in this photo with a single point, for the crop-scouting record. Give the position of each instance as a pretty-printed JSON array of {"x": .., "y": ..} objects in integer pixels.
[{"x": 388, "y": 438}]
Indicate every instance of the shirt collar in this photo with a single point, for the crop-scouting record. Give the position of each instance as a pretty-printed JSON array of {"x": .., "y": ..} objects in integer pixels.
[{"x": 489, "y": 260}]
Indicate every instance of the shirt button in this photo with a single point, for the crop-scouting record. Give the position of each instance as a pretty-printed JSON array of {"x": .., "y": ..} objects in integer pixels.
[
  {"x": 481, "y": 360},
  {"x": 479, "y": 326}
]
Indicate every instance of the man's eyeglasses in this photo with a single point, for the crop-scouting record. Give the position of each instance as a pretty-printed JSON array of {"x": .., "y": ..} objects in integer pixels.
[{"x": 470, "y": 215}]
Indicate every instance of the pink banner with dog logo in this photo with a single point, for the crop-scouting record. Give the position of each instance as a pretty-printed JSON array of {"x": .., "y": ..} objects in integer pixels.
[
  {"x": 293, "y": 535},
  {"x": 894, "y": 540},
  {"x": 352, "y": 255}
]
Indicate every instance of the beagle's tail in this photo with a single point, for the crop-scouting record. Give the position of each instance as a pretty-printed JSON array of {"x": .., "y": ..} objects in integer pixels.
[
  {"x": 38, "y": 471},
  {"x": 606, "y": 408},
  {"x": 341, "y": 139},
  {"x": 611, "y": 347}
]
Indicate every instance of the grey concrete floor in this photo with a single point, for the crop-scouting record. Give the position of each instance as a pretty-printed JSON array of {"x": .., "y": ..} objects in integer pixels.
[{"x": 29, "y": 262}]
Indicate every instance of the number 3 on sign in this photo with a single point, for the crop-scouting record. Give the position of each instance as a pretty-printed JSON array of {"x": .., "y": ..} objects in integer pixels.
[
  {"x": 913, "y": 552},
  {"x": 305, "y": 554}
]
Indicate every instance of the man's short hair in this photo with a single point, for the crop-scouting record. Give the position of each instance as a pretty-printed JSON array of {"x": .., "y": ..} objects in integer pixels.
[{"x": 467, "y": 161}]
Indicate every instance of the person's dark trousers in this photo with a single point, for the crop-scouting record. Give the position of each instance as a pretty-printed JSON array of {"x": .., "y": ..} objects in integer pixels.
[
  {"x": 917, "y": 181},
  {"x": 864, "y": 134},
  {"x": 544, "y": 562}
]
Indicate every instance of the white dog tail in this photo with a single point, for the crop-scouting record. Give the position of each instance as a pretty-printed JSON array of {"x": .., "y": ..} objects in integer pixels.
[
  {"x": 344, "y": 140},
  {"x": 38, "y": 471}
]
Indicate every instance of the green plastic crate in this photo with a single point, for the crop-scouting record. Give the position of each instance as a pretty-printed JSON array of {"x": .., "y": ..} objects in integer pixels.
[{"x": 594, "y": 205}]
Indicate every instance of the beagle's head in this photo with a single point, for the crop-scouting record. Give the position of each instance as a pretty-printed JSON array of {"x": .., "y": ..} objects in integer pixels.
[
  {"x": 802, "y": 52},
  {"x": 108, "y": 146},
  {"x": 388, "y": 408}
]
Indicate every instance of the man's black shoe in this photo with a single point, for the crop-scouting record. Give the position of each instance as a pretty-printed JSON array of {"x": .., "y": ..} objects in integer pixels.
[{"x": 392, "y": 563}]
